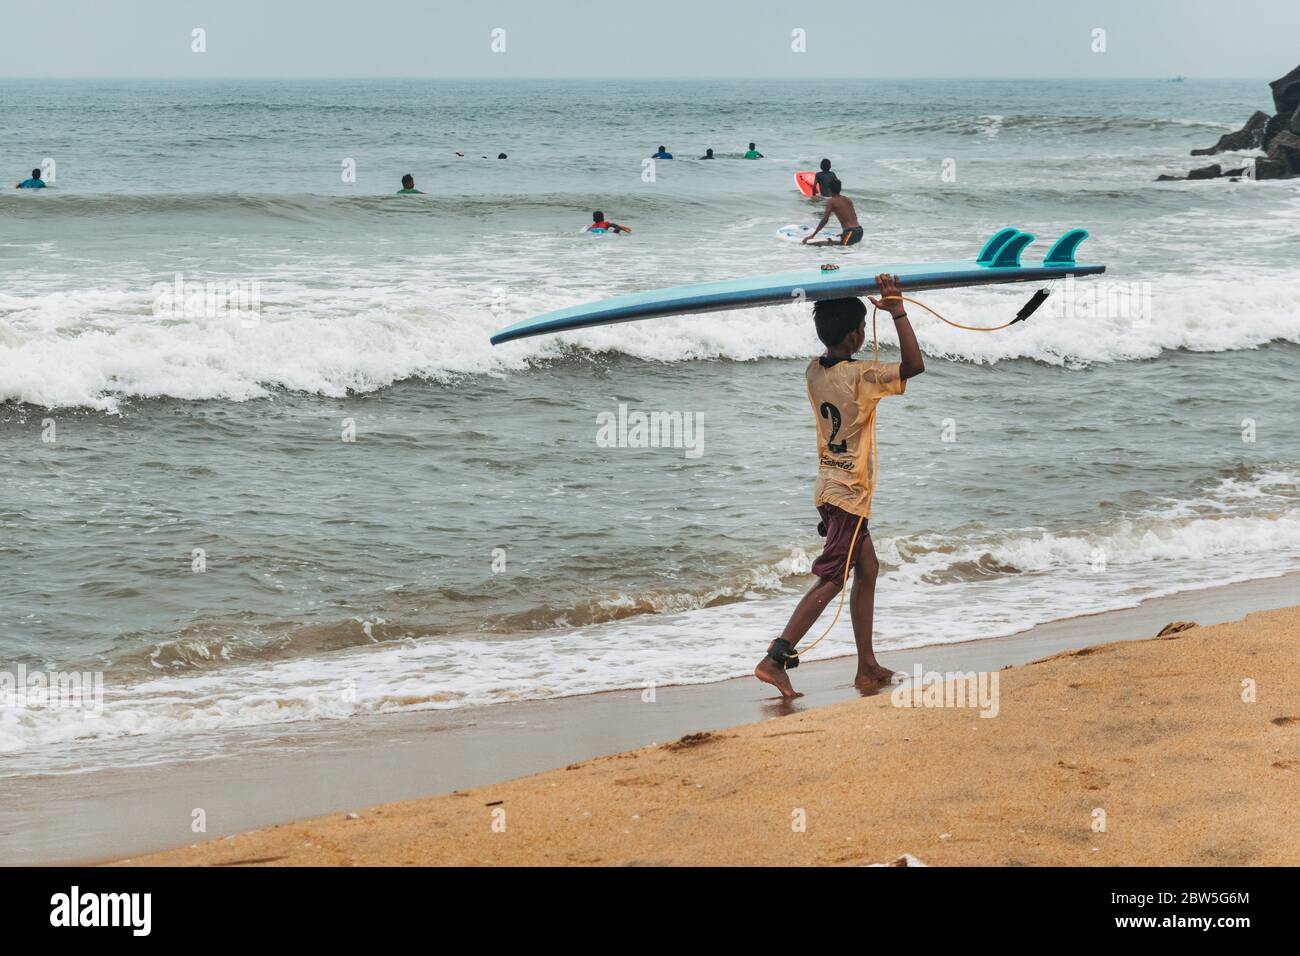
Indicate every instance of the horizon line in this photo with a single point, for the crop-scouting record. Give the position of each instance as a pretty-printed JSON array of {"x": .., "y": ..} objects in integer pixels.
[{"x": 649, "y": 79}]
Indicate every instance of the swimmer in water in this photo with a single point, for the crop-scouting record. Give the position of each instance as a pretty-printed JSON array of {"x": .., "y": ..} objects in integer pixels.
[
  {"x": 600, "y": 224},
  {"x": 822, "y": 180},
  {"x": 408, "y": 186},
  {"x": 34, "y": 183}
]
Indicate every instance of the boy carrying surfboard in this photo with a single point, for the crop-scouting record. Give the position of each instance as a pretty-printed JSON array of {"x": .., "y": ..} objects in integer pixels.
[{"x": 844, "y": 393}]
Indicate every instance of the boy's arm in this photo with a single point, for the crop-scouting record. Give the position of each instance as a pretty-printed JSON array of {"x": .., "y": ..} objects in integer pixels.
[
  {"x": 825, "y": 219},
  {"x": 912, "y": 363}
]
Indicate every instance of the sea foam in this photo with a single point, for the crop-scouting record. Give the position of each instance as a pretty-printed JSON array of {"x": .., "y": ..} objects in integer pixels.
[{"x": 98, "y": 347}]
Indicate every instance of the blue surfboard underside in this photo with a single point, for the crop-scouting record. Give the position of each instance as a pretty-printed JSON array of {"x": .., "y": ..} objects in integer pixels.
[{"x": 812, "y": 285}]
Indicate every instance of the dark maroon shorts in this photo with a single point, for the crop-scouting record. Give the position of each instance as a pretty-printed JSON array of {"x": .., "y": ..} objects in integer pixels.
[{"x": 838, "y": 527}]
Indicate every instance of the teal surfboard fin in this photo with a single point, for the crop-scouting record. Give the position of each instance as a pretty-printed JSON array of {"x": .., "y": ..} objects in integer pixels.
[
  {"x": 1062, "y": 251},
  {"x": 1009, "y": 255},
  {"x": 995, "y": 244}
]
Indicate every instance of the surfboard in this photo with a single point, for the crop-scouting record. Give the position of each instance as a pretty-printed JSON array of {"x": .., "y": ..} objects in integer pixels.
[
  {"x": 804, "y": 182},
  {"x": 797, "y": 231},
  {"x": 998, "y": 262}
]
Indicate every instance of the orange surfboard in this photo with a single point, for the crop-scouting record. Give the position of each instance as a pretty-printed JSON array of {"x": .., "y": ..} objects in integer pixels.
[{"x": 805, "y": 182}]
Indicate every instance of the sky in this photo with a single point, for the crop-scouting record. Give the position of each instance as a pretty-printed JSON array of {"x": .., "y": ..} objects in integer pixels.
[{"x": 651, "y": 38}]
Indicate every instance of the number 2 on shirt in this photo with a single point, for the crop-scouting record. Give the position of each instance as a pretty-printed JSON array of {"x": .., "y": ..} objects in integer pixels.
[{"x": 832, "y": 413}]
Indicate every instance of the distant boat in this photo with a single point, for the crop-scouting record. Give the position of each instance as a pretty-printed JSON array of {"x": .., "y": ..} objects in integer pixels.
[{"x": 1176, "y": 79}]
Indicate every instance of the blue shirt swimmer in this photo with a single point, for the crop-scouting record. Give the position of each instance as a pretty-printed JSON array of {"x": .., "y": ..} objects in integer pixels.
[
  {"x": 662, "y": 154},
  {"x": 34, "y": 183}
]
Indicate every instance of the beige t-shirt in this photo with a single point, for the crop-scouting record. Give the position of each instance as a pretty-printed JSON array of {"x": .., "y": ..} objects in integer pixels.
[{"x": 844, "y": 399}]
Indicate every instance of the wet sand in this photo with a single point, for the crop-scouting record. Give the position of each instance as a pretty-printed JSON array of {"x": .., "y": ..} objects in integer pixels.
[{"x": 1150, "y": 739}]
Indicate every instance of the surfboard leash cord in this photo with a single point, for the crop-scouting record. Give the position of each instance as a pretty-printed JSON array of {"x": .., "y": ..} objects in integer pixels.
[{"x": 1028, "y": 309}]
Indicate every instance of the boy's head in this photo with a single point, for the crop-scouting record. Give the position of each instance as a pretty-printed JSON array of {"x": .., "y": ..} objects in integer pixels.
[
  {"x": 841, "y": 322},
  {"x": 408, "y": 181},
  {"x": 751, "y": 146},
  {"x": 597, "y": 216},
  {"x": 826, "y": 165},
  {"x": 36, "y": 174},
  {"x": 833, "y": 187}
]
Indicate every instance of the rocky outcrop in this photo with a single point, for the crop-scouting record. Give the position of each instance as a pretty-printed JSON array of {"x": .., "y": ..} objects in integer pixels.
[
  {"x": 1286, "y": 92},
  {"x": 1267, "y": 169},
  {"x": 1275, "y": 125},
  {"x": 1250, "y": 136},
  {"x": 1285, "y": 149},
  {"x": 1278, "y": 135}
]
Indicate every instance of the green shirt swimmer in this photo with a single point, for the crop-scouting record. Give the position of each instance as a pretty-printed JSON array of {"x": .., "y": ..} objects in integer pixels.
[
  {"x": 408, "y": 186},
  {"x": 753, "y": 153}
]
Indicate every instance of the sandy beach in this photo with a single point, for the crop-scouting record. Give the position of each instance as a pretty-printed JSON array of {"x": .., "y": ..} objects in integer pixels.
[{"x": 1182, "y": 750}]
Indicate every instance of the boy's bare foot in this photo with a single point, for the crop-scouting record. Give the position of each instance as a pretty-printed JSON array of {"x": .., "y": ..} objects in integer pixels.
[
  {"x": 769, "y": 672},
  {"x": 872, "y": 677}
]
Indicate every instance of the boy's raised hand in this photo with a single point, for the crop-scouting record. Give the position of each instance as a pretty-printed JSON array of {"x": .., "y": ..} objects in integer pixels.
[{"x": 891, "y": 299}]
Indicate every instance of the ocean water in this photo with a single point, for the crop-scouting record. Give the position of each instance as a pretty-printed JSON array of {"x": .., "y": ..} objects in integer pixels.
[{"x": 475, "y": 542}]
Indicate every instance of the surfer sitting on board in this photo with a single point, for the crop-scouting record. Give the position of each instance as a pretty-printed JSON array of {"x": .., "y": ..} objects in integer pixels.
[
  {"x": 823, "y": 180},
  {"x": 844, "y": 393},
  {"x": 408, "y": 186},
  {"x": 598, "y": 222},
  {"x": 662, "y": 154},
  {"x": 842, "y": 207},
  {"x": 753, "y": 153},
  {"x": 708, "y": 154}
]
